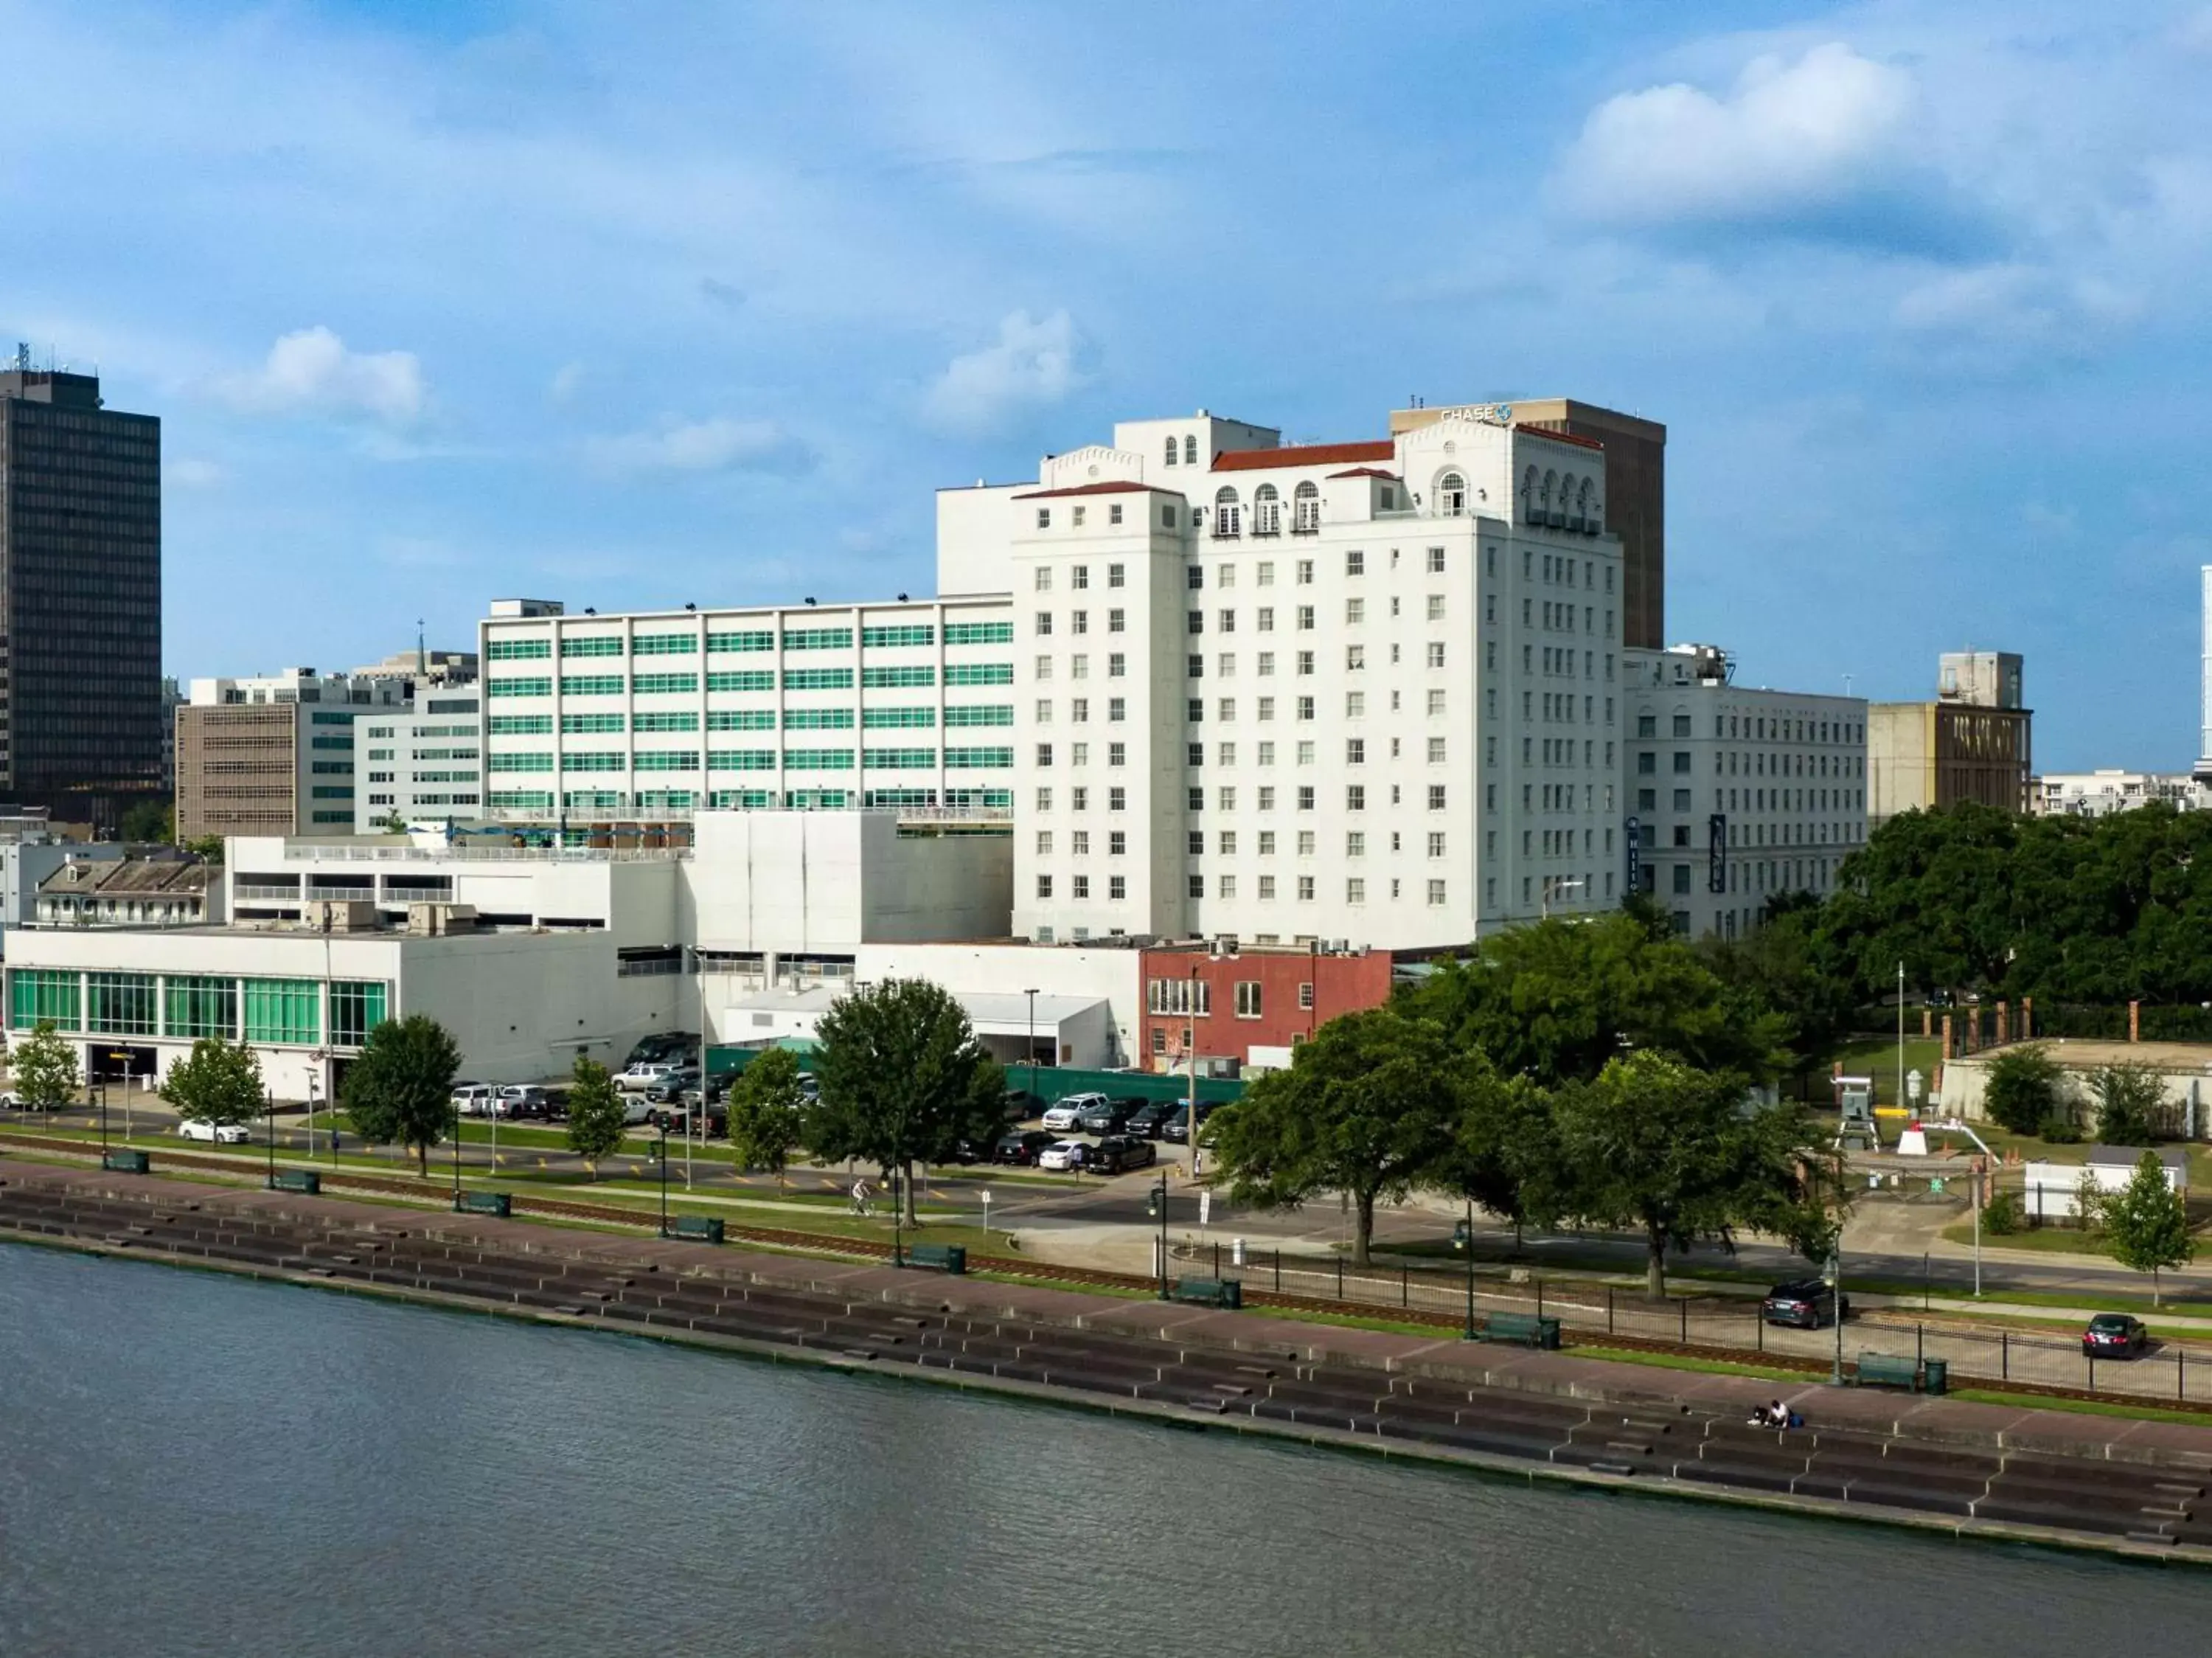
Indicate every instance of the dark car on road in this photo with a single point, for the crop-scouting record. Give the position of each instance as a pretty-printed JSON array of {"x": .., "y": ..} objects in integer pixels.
[
  {"x": 1021, "y": 1148},
  {"x": 1108, "y": 1117},
  {"x": 2114, "y": 1335},
  {"x": 1802, "y": 1303},
  {"x": 1150, "y": 1120},
  {"x": 1117, "y": 1152},
  {"x": 670, "y": 1088}
]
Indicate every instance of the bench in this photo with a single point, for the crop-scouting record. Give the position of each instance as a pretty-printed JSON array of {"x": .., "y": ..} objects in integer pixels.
[
  {"x": 1886, "y": 1371},
  {"x": 938, "y": 1257},
  {"x": 1525, "y": 1328},
  {"x": 485, "y": 1202},
  {"x": 1208, "y": 1292},
  {"x": 705, "y": 1228},
  {"x": 125, "y": 1162},
  {"x": 296, "y": 1180}
]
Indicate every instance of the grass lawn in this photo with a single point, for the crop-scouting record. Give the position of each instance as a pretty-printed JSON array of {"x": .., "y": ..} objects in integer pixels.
[
  {"x": 1876, "y": 1056},
  {"x": 2082, "y": 1406},
  {"x": 2042, "y": 1240},
  {"x": 1682, "y": 1361}
]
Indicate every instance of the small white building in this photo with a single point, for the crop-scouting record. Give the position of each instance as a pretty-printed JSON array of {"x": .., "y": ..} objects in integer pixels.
[
  {"x": 2100, "y": 793},
  {"x": 2054, "y": 1190},
  {"x": 423, "y": 764}
]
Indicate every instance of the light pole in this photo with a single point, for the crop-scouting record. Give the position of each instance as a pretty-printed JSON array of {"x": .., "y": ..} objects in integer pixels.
[
  {"x": 1032, "y": 996},
  {"x": 1190, "y": 1060},
  {"x": 312, "y": 1091},
  {"x": 457, "y": 1155},
  {"x": 1466, "y": 1241},
  {"x": 269, "y": 1118},
  {"x": 1156, "y": 1201},
  {"x": 1836, "y": 1288},
  {"x": 1957, "y": 1125},
  {"x": 664, "y": 1175},
  {"x": 1900, "y": 1034}
]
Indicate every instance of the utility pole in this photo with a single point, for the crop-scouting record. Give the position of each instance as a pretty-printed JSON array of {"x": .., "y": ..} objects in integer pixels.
[
  {"x": 1900, "y": 1034},
  {"x": 1190, "y": 1060}
]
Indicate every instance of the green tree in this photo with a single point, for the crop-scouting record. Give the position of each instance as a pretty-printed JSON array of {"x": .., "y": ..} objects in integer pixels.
[
  {"x": 400, "y": 1090},
  {"x": 902, "y": 1078},
  {"x": 767, "y": 1112},
  {"x": 1675, "y": 1153},
  {"x": 1780, "y": 965},
  {"x": 1560, "y": 1000},
  {"x": 2020, "y": 1089},
  {"x": 595, "y": 1112},
  {"x": 1367, "y": 1108},
  {"x": 218, "y": 1082},
  {"x": 2146, "y": 1223},
  {"x": 148, "y": 821},
  {"x": 44, "y": 1064},
  {"x": 1504, "y": 1152},
  {"x": 2131, "y": 1107},
  {"x": 207, "y": 848}
]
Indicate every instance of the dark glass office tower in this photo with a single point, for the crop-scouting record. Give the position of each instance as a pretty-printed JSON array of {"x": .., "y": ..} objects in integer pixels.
[{"x": 80, "y": 598}]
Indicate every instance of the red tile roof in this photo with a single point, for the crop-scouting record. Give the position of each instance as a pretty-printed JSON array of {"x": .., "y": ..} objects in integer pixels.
[
  {"x": 1113, "y": 486},
  {"x": 1575, "y": 438},
  {"x": 1366, "y": 471},
  {"x": 1311, "y": 454}
]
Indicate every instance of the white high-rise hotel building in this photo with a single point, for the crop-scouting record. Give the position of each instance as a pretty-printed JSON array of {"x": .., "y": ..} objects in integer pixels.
[
  {"x": 1373, "y": 691},
  {"x": 1362, "y": 690}
]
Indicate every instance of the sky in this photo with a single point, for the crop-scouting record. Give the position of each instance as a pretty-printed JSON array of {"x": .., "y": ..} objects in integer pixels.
[{"x": 636, "y": 306}]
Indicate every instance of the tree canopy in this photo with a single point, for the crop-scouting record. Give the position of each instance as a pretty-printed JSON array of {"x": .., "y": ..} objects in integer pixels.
[
  {"x": 1367, "y": 1108},
  {"x": 2146, "y": 1223},
  {"x": 768, "y": 1112},
  {"x": 1676, "y": 1153},
  {"x": 1562, "y": 999},
  {"x": 400, "y": 1090},
  {"x": 217, "y": 1082},
  {"x": 44, "y": 1067},
  {"x": 595, "y": 1111},
  {"x": 902, "y": 1078},
  {"x": 2102, "y": 910}
]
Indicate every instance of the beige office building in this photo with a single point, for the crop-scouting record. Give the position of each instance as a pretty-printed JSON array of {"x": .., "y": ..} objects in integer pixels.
[{"x": 1973, "y": 742}]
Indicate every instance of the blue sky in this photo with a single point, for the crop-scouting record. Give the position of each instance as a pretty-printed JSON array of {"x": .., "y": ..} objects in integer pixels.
[{"x": 631, "y": 306}]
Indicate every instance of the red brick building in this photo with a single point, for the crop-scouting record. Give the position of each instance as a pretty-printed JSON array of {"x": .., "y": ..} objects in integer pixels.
[{"x": 1254, "y": 1006}]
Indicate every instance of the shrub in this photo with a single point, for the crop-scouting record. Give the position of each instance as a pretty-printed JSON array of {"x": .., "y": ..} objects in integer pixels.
[
  {"x": 2000, "y": 1215},
  {"x": 2131, "y": 1105},
  {"x": 2022, "y": 1094}
]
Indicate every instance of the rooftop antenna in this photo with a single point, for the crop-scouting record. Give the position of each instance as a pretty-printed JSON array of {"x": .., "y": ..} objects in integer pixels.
[
  {"x": 422, "y": 655},
  {"x": 22, "y": 357}
]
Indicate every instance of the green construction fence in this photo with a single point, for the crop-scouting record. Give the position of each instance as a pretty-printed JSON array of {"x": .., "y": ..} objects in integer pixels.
[{"x": 1048, "y": 1083}]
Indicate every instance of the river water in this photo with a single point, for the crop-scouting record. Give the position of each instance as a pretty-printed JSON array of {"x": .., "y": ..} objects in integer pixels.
[{"x": 190, "y": 1464}]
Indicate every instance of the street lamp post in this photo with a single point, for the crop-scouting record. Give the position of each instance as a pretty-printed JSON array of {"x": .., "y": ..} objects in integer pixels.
[
  {"x": 1032, "y": 996},
  {"x": 1552, "y": 886},
  {"x": 1190, "y": 1060},
  {"x": 1466, "y": 1241},
  {"x": 269, "y": 1118},
  {"x": 457, "y": 1155},
  {"x": 1900, "y": 1034},
  {"x": 103, "y": 1114},
  {"x": 1159, "y": 1198},
  {"x": 1957, "y": 1125},
  {"x": 1836, "y": 1288},
  {"x": 664, "y": 1175}
]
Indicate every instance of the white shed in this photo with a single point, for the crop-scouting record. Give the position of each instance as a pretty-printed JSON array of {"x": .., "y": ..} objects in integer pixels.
[{"x": 2054, "y": 1189}]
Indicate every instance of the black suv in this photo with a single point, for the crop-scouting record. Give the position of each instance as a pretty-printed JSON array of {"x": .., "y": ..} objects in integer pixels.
[
  {"x": 1021, "y": 1148},
  {"x": 1804, "y": 1303},
  {"x": 1151, "y": 1119},
  {"x": 1178, "y": 1126}
]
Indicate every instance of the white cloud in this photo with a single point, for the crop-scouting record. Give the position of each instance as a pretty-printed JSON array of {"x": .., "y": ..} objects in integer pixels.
[
  {"x": 566, "y": 381},
  {"x": 1797, "y": 138},
  {"x": 720, "y": 444},
  {"x": 1032, "y": 366},
  {"x": 193, "y": 474},
  {"x": 311, "y": 371},
  {"x": 2017, "y": 307}
]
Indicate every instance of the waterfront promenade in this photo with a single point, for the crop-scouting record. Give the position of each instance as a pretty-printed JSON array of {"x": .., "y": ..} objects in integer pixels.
[{"x": 2126, "y": 1485}]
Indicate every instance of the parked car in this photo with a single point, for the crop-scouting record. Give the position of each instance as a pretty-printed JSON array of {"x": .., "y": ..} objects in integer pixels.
[
  {"x": 1062, "y": 1154},
  {"x": 1802, "y": 1303},
  {"x": 222, "y": 1134},
  {"x": 1108, "y": 1117},
  {"x": 1178, "y": 1125},
  {"x": 1151, "y": 1119},
  {"x": 636, "y": 1108},
  {"x": 1067, "y": 1114},
  {"x": 642, "y": 1075},
  {"x": 1021, "y": 1148},
  {"x": 1117, "y": 1152},
  {"x": 2114, "y": 1335},
  {"x": 679, "y": 1119},
  {"x": 524, "y": 1101},
  {"x": 474, "y": 1098},
  {"x": 665, "y": 1090},
  {"x": 712, "y": 1092}
]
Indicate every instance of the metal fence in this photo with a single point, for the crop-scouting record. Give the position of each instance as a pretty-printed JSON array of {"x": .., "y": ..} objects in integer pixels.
[{"x": 2168, "y": 1372}]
